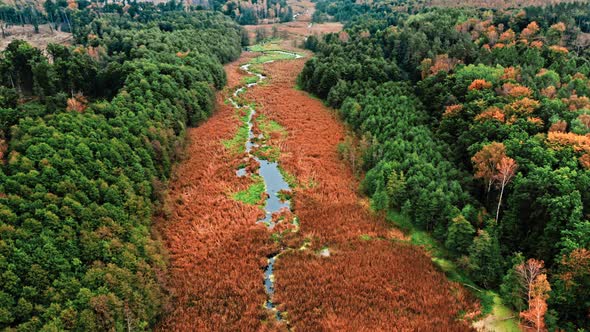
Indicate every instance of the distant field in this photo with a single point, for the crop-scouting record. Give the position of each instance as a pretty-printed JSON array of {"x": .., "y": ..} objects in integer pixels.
[
  {"x": 296, "y": 30},
  {"x": 39, "y": 40}
]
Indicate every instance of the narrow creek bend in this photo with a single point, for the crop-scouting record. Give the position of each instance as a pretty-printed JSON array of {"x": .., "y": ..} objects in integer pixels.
[{"x": 274, "y": 181}]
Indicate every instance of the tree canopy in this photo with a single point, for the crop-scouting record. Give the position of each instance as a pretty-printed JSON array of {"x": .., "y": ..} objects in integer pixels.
[
  {"x": 88, "y": 135},
  {"x": 486, "y": 114}
]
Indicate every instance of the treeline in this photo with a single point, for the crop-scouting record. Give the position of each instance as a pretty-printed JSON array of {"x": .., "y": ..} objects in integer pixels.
[
  {"x": 87, "y": 138},
  {"x": 20, "y": 15},
  {"x": 346, "y": 11},
  {"x": 61, "y": 14},
  {"x": 255, "y": 11},
  {"x": 476, "y": 125},
  {"x": 58, "y": 14},
  {"x": 338, "y": 10}
]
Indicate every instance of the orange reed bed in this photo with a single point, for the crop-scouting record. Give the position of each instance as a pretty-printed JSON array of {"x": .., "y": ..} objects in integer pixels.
[
  {"x": 374, "y": 285},
  {"x": 380, "y": 284},
  {"x": 216, "y": 250}
]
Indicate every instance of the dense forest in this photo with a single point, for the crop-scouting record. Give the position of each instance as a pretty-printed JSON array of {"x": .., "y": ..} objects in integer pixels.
[
  {"x": 59, "y": 13},
  {"x": 87, "y": 137},
  {"x": 475, "y": 124}
]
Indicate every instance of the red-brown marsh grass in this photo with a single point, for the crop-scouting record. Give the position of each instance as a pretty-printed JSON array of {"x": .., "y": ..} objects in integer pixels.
[
  {"x": 374, "y": 285},
  {"x": 371, "y": 279},
  {"x": 216, "y": 249},
  {"x": 380, "y": 284}
]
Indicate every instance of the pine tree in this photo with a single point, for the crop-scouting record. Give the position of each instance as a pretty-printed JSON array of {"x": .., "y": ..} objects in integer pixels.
[
  {"x": 485, "y": 261},
  {"x": 459, "y": 236},
  {"x": 396, "y": 188},
  {"x": 511, "y": 289}
]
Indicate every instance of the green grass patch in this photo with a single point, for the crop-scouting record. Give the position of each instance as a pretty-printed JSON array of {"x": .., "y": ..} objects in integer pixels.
[
  {"x": 268, "y": 126},
  {"x": 268, "y": 152},
  {"x": 249, "y": 79},
  {"x": 285, "y": 195},
  {"x": 251, "y": 196},
  {"x": 271, "y": 56},
  {"x": 365, "y": 237},
  {"x": 270, "y": 50},
  {"x": 240, "y": 99},
  {"x": 256, "y": 68},
  {"x": 306, "y": 243},
  {"x": 237, "y": 144},
  {"x": 275, "y": 237},
  {"x": 289, "y": 178},
  {"x": 266, "y": 45},
  {"x": 501, "y": 311}
]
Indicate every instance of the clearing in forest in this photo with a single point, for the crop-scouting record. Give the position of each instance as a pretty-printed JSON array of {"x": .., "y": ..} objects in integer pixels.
[{"x": 328, "y": 263}]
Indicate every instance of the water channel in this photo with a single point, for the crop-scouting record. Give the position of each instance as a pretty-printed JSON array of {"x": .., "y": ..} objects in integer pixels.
[{"x": 274, "y": 182}]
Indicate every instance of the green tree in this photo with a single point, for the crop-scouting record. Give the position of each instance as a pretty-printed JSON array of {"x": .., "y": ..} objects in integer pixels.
[
  {"x": 485, "y": 261},
  {"x": 459, "y": 236},
  {"x": 396, "y": 189},
  {"x": 511, "y": 288}
]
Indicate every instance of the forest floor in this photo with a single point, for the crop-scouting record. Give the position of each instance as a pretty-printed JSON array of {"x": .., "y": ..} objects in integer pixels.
[
  {"x": 345, "y": 268},
  {"x": 297, "y": 30},
  {"x": 40, "y": 40}
]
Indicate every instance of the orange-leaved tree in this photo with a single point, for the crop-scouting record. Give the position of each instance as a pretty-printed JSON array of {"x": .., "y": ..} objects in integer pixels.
[
  {"x": 527, "y": 273},
  {"x": 485, "y": 162},
  {"x": 493, "y": 166},
  {"x": 532, "y": 278},
  {"x": 534, "y": 317},
  {"x": 506, "y": 169}
]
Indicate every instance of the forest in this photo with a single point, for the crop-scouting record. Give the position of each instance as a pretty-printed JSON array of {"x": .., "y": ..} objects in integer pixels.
[
  {"x": 475, "y": 125},
  {"x": 88, "y": 135},
  {"x": 470, "y": 124},
  {"x": 255, "y": 12},
  {"x": 60, "y": 14}
]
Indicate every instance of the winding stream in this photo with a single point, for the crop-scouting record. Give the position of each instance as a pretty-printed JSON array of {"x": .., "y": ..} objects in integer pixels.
[{"x": 274, "y": 182}]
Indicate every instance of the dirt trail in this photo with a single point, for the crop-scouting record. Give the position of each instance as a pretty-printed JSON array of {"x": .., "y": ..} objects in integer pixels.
[{"x": 353, "y": 272}]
